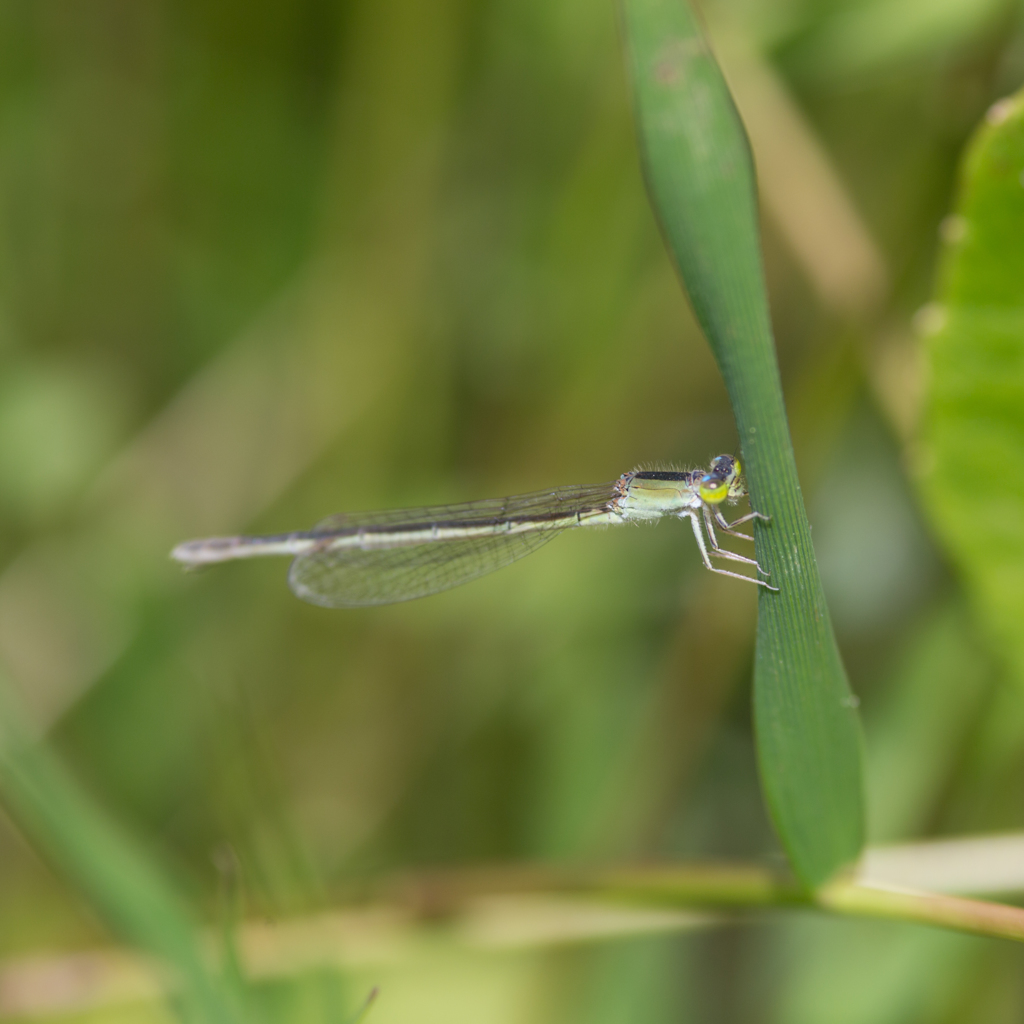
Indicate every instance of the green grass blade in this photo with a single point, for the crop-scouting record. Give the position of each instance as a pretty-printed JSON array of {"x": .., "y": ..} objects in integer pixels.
[
  {"x": 121, "y": 885},
  {"x": 701, "y": 180},
  {"x": 972, "y": 450}
]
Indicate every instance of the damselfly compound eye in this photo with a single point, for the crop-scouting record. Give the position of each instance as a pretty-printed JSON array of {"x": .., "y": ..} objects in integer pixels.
[{"x": 713, "y": 489}]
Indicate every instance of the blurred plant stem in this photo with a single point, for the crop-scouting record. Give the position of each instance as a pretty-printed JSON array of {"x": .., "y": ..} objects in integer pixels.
[
  {"x": 515, "y": 907},
  {"x": 976, "y": 917},
  {"x": 725, "y": 887}
]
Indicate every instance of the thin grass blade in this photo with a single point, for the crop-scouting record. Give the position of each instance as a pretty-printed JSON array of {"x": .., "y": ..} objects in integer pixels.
[{"x": 125, "y": 888}]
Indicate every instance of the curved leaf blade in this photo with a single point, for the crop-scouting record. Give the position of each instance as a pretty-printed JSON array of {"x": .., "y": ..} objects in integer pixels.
[{"x": 701, "y": 181}]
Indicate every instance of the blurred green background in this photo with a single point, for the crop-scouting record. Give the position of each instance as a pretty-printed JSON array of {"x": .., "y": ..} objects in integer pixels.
[{"x": 264, "y": 262}]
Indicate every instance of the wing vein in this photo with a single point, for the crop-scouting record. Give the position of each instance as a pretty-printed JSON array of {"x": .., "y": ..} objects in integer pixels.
[{"x": 403, "y": 554}]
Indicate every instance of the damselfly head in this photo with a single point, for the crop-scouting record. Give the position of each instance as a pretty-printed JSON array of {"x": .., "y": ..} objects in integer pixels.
[{"x": 724, "y": 481}]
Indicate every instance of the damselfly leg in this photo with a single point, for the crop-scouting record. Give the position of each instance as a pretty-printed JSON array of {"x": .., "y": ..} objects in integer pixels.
[
  {"x": 718, "y": 552},
  {"x": 728, "y": 527},
  {"x": 721, "y": 552},
  {"x": 715, "y": 550}
]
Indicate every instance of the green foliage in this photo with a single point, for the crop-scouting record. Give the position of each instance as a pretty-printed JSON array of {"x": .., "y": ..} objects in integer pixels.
[
  {"x": 260, "y": 263},
  {"x": 972, "y": 444},
  {"x": 120, "y": 882},
  {"x": 702, "y": 185}
]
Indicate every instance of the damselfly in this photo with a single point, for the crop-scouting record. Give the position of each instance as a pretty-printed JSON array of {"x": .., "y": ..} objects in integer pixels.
[{"x": 367, "y": 558}]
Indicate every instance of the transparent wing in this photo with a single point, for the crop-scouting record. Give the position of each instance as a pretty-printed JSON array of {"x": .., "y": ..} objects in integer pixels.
[{"x": 419, "y": 563}]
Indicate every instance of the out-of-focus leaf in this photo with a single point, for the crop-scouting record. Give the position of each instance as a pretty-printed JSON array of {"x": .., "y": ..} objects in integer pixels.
[
  {"x": 882, "y": 33},
  {"x": 865, "y": 972},
  {"x": 124, "y": 888},
  {"x": 972, "y": 450},
  {"x": 701, "y": 182},
  {"x": 930, "y": 704},
  {"x": 56, "y": 426}
]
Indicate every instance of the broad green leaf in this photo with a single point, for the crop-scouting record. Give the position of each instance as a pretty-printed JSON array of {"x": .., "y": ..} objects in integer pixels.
[
  {"x": 972, "y": 444},
  {"x": 701, "y": 181}
]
